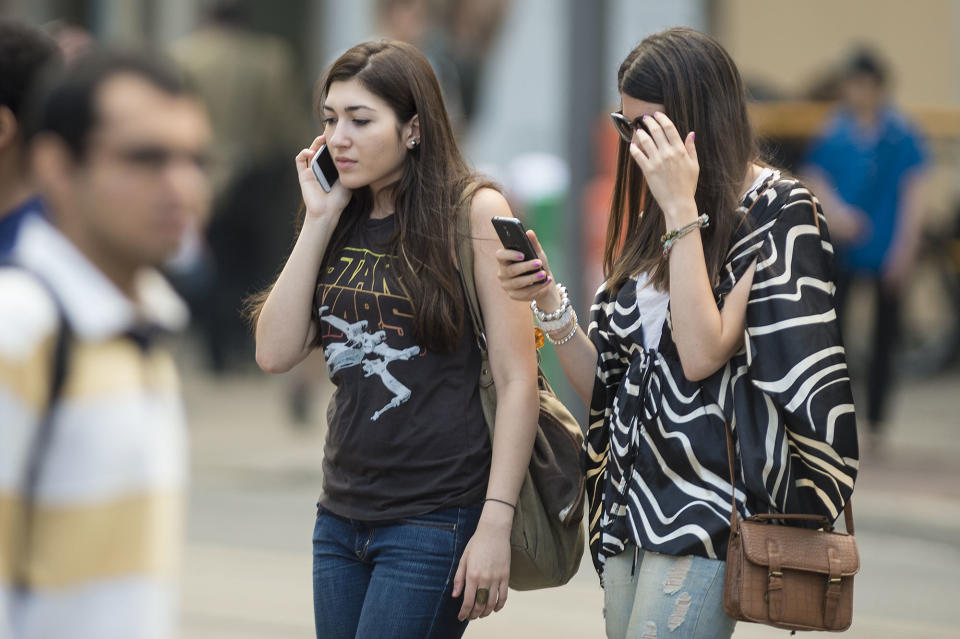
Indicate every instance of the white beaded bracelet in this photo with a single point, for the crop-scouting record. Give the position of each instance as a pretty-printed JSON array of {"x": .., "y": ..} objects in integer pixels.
[
  {"x": 557, "y": 314},
  {"x": 557, "y": 324},
  {"x": 569, "y": 336}
]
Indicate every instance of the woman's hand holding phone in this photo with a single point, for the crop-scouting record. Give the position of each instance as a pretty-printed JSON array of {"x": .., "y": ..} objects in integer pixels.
[
  {"x": 527, "y": 280},
  {"x": 319, "y": 203},
  {"x": 670, "y": 167}
]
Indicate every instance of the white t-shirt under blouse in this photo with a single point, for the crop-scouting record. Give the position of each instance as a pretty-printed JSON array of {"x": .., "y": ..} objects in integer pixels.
[{"x": 652, "y": 303}]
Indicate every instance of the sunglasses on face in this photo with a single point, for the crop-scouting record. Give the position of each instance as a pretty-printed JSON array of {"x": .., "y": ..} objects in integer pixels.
[{"x": 624, "y": 126}]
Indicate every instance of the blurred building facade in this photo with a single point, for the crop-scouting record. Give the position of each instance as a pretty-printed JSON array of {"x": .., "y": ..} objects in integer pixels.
[
  {"x": 782, "y": 46},
  {"x": 534, "y": 94}
]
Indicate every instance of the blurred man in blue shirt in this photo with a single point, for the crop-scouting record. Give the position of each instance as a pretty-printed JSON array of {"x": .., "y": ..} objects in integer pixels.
[
  {"x": 24, "y": 52},
  {"x": 866, "y": 168}
]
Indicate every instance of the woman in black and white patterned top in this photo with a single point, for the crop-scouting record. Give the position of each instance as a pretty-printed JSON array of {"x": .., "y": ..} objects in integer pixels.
[{"x": 717, "y": 309}]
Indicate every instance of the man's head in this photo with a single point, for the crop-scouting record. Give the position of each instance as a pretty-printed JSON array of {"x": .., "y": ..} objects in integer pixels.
[
  {"x": 864, "y": 86},
  {"x": 24, "y": 52},
  {"x": 118, "y": 146}
]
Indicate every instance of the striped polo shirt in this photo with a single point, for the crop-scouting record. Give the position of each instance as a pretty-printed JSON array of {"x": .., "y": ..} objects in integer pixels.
[{"x": 107, "y": 528}]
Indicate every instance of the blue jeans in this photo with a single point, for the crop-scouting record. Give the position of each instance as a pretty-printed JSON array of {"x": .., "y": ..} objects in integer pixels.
[
  {"x": 664, "y": 596},
  {"x": 389, "y": 579}
]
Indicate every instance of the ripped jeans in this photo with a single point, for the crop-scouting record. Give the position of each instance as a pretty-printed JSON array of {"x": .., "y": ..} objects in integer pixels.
[{"x": 665, "y": 597}]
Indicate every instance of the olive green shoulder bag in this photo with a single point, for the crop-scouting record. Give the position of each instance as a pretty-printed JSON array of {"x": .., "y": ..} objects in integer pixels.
[{"x": 547, "y": 539}]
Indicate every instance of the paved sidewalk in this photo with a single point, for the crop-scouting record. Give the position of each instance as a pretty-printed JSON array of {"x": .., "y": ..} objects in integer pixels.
[{"x": 256, "y": 477}]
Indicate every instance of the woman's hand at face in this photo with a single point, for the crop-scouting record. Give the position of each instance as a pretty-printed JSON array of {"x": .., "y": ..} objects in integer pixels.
[
  {"x": 318, "y": 202},
  {"x": 527, "y": 280},
  {"x": 670, "y": 167}
]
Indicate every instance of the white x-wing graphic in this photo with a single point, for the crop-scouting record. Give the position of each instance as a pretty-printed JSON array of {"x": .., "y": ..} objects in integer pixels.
[{"x": 371, "y": 351}]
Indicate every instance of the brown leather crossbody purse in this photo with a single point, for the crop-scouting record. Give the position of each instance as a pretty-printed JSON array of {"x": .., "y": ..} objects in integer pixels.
[{"x": 789, "y": 577}]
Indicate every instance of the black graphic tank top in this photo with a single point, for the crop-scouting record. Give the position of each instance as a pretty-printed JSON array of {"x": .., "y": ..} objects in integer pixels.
[{"x": 406, "y": 434}]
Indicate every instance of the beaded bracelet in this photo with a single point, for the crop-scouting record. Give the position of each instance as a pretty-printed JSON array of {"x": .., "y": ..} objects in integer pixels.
[
  {"x": 557, "y": 314},
  {"x": 557, "y": 324},
  {"x": 670, "y": 238},
  {"x": 569, "y": 336}
]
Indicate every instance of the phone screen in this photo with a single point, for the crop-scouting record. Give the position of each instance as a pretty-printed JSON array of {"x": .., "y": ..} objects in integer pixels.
[{"x": 324, "y": 169}]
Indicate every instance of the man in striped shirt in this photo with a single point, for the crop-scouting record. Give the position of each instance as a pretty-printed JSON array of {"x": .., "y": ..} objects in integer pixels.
[{"x": 89, "y": 546}]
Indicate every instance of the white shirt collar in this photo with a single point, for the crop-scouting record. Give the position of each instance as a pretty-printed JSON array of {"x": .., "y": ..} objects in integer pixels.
[{"x": 94, "y": 306}]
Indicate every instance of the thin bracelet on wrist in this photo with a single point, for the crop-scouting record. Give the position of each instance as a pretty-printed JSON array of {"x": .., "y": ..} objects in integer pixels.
[
  {"x": 561, "y": 342},
  {"x": 500, "y": 501},
  {"x": 670, "y": 238}
]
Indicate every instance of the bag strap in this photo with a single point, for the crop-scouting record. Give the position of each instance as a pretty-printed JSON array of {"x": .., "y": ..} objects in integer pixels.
[
  {"x": 40, "y": 444},
  {"x": 735, "y": 514},
  {"x": 464, "y": 249}
]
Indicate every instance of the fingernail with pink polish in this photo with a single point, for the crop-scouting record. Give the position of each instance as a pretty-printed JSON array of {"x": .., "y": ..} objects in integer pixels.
[
  {"x": 541, "y": 275},
  {"x": 520, "y": 256}
]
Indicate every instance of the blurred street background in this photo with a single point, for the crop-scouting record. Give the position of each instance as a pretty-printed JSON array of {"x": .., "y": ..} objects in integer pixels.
[{"x": 529, "y": 84}]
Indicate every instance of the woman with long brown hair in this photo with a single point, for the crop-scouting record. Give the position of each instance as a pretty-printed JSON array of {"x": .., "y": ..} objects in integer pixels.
[
  {"x": 413, "y": 524},
  {"x": 717, "y": 311}
]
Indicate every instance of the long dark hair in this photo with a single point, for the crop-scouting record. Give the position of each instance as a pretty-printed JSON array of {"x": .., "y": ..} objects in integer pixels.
[
  {"x": 432, "y": 180},
  {"x": 698, "y": 84}
]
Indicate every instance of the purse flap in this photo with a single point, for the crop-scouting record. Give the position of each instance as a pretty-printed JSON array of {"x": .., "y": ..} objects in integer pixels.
[{"x": 800, "y": 548}]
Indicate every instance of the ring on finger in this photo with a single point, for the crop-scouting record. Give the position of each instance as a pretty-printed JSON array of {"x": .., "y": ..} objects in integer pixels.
[{"x": 483, "y": 596}]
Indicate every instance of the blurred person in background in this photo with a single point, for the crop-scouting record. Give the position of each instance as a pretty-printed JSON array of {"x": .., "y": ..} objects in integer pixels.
[
  {"x": 74, "y": 40},
  {"x": 868, "y": 167},
  {"x": 24, "y": 53},
  {"x": 416, "y": 22},
  {"x": 717, "y": 311},
  {"x": 413, "y": 524},
  {"x": 93, "y": 462},
  {"x": 471, "y": 28},
  {"x": 248, "y": 81},
  {"x": 455, "y": 36}
]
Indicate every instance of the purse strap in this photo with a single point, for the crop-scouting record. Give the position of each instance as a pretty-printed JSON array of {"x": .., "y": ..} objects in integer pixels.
[
  {"x": 464, "y": 249},
  {"x": 734, "y": 513}
]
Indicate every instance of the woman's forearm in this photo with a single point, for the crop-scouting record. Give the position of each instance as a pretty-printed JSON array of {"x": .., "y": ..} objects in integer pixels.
[
  {"x": 705, "y": 337},
  {"x": 578, "y": 356},
  {"x": 283, "y": 332},
  {"x": 518, "y": 407}
]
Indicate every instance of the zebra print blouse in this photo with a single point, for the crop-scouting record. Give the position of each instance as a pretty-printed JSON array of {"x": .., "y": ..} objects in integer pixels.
[{"x": 655, "y": 450}]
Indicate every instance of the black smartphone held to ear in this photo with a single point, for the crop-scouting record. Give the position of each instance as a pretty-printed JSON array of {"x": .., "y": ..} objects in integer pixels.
[
  {"x": 324, "y": 169},
  {"x": 514, "y": 237}
]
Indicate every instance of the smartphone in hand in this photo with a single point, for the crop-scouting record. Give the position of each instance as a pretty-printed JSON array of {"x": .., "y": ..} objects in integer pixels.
[
  {"x": 514, "y": 237},
  {"x": 324, "y": 169}
]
